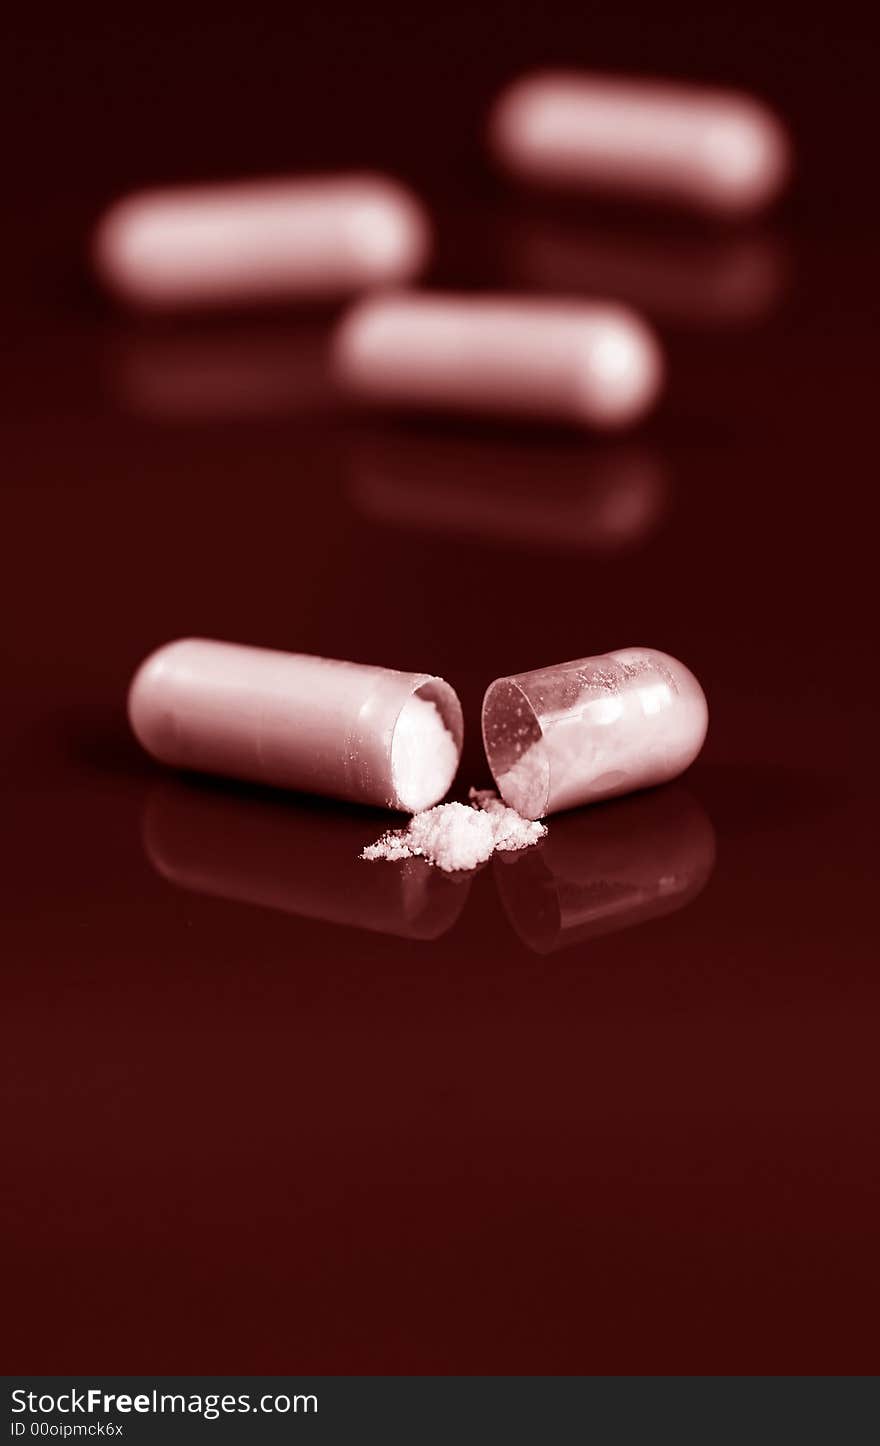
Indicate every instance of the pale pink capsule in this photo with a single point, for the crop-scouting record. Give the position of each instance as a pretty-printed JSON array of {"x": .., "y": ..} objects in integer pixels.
[
  {"x": 293, "y": 721},
  {"x": 583, "y": 363},
  {"x": 579, "y": 732},
  {"x": 253, "y": 241},
  {"x": 714, "y": 150}
]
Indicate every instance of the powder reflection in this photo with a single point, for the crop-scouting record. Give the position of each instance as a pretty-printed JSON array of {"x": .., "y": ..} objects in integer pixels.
[
  {"x": 300, "y": 858},
  {"x": 216, "y": 372},
  {"x": 601, "y": 499},
  {"x": 607, "y": 868},
  {"x": 693, "y": 280}
]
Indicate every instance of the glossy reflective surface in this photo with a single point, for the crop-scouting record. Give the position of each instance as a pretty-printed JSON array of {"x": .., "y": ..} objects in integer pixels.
[
  {"x": 611, "y": 1106},
  {"x": 301, "y": 857},
  {"x": 607, "y": 868},
  {"x": 511, "y": 494}
]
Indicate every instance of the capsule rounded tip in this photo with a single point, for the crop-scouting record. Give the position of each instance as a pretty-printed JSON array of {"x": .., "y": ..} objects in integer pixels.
[
  {"x": 694, "y": 707},
  {"x": 120, "y": 250},
  {"x": 389, "y": 232},
  {"x": 621, "y": 372},
  {"x": 514, "y": 117},
  {"x": 745, "y": 158},
  {"x": 358, "y": 340},
  {"x": 151, "y": 722}
]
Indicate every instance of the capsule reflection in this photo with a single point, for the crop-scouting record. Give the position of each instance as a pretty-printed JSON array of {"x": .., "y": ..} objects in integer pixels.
[
  {"x": 608, "y": 868},
  {"x": 695, "y": 281},
  {"x": 602, "y": 499},
  {"x": 297, "y": 858},
  {"x": 216, "y": 373}
]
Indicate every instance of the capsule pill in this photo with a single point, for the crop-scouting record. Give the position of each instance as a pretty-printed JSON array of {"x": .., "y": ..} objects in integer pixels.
[
  {"x": 288, "y": 720},
  {"x": 717, "y": 151},
  {"x": 579, "y": 732},
  {"x": 580, "y": 363},
  {"x": 251, "y": 241}
]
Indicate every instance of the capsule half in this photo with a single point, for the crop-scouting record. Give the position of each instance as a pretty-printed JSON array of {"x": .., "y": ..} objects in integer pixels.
[
  {"x": 591, "y": 729},
  {"x": 346, "y": 730},
  {"x": 303, "y": 860}
]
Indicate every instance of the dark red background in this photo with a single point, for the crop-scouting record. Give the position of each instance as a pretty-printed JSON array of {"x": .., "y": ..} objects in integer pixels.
[{"x": 241, "y": 1140}]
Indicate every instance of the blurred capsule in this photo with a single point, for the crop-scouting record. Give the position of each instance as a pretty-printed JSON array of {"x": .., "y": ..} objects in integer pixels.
[
  {"x": 299, "y": 859},
  {"x": 716, "y": 151},
  {"x": 602, "y": 500},
  {"x": 608, "y": 869},
  {"x": 579, "y": 363},
  {"x": 265, "y": 240}
]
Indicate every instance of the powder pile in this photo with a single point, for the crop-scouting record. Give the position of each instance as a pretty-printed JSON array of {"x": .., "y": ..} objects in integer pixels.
[
  {"x": 424, "y": 755},
  {"x": 457, "y": 836}
]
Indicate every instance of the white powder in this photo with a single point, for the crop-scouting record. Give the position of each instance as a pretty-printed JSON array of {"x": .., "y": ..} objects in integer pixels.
[
  {"x": 457, "y": 835},
  {"x": 527, "y": 780},
  {"x": 424, "y": 755},
  {"x": 511, "y": 830}
]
